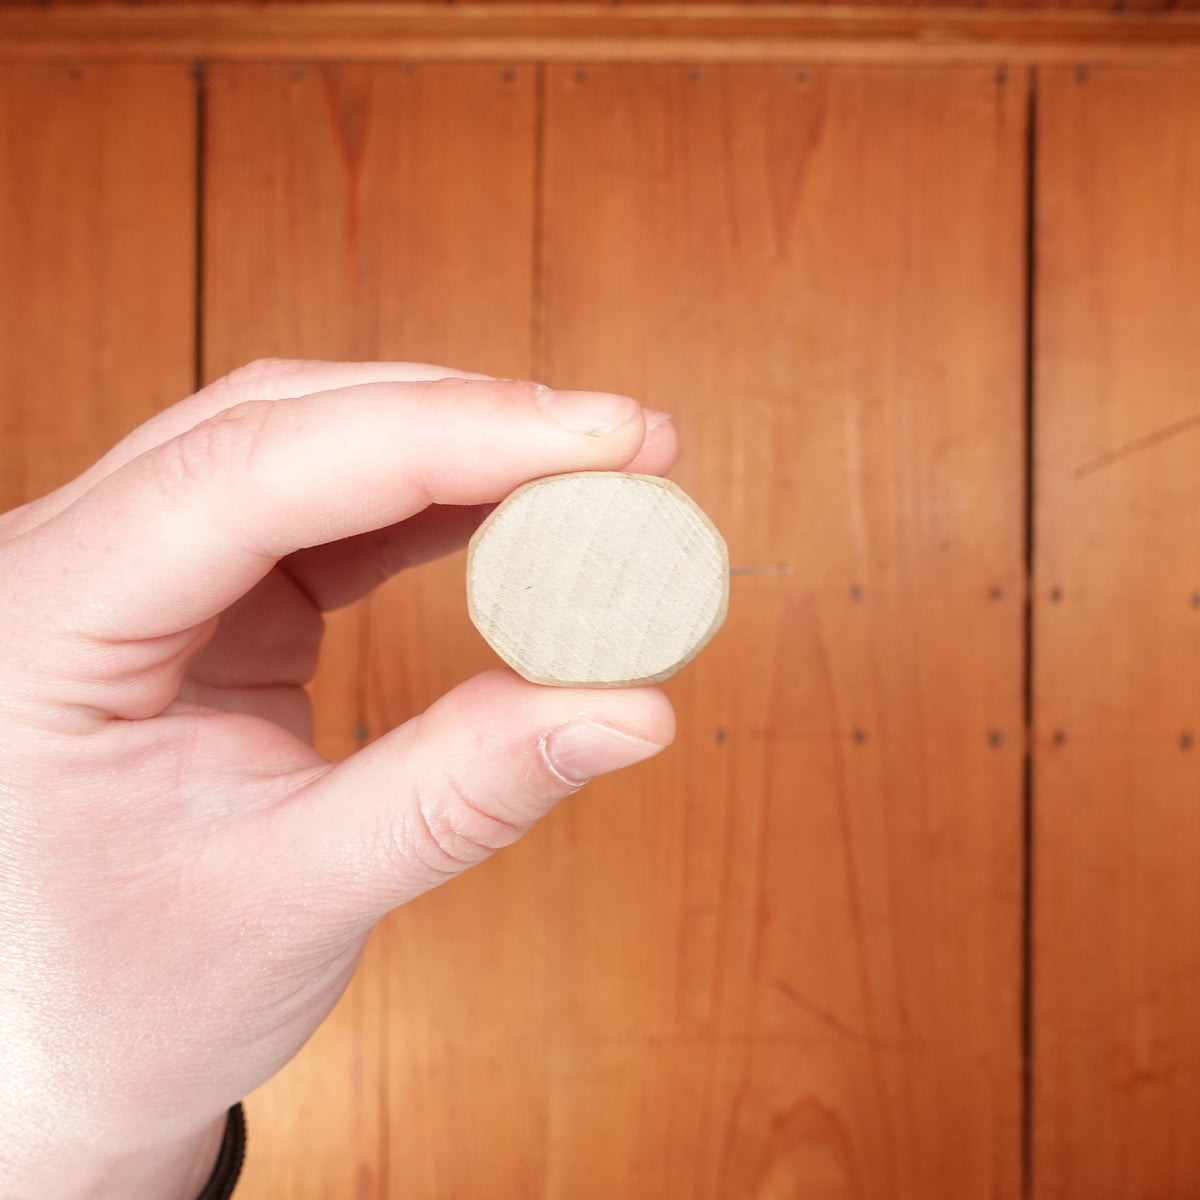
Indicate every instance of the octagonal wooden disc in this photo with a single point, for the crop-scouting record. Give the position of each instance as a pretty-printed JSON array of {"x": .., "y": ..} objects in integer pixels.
[{"x": 597, "y": 579}]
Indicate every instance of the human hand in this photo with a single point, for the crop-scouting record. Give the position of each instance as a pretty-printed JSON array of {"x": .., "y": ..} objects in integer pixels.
[{"x": 185, "y": 883}]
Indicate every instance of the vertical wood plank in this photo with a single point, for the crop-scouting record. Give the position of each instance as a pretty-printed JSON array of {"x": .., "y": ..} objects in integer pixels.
[
  {"x": 97, "y": 237},
  {"x": 464, "y": 1099},
  {"x": 1117, "y": 890},
  {"x": 282, "y": 278},
  {"x": 786, "y": 955},
  {"x": 360, "y": 212}
]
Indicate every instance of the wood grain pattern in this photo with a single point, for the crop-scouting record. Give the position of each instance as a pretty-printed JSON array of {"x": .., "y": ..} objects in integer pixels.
[
  {"x": 1159, "y": 31},
  {"x": 787, "y": 953},
  {"x": 461, "y": 975},
  {"x": 369, "y": 212},
  {"x": 776, "y": 961},
  {"x": 282, "y": 278},
  {"x": 96, "y": 254},
  {"x": 1117, "y": 846},
  {"x": 783, "y": 960},
  {"x": 597, "y": 579}
]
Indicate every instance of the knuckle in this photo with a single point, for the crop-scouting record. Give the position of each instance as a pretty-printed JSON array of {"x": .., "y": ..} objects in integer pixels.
[
  {"x": 212, "y": 469},
  {"x": 448, "y": 829},
  {"x": 219, "y": 450},
  {"x": 263, "y": 378},
  {"x": 473, "y": 819}
]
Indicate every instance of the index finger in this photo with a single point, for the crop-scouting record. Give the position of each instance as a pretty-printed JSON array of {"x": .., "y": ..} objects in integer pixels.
[
  {"x": 264, "y": 379},
  {"x": 171, "y": 539}
]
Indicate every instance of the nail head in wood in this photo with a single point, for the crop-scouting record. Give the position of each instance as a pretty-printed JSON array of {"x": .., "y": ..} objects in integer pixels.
[{"x": 597, "y": 579}]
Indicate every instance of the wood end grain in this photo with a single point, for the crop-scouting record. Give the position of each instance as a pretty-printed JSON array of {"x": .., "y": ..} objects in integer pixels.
[{"x": 597, "y": 579}]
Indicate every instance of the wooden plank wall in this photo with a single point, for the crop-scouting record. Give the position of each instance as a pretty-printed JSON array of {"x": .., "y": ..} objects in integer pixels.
[
  {"x": 785, "y": 959},
  {"x": 97, "y": 261},
  {"x": 372, "y": 212},
  {"x": 758, "y": 945},
  {"x": 1117, "y": 839},
  {"x": 811, "y": 954}
]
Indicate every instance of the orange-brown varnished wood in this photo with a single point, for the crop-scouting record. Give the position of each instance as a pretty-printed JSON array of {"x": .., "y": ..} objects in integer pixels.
[
  {"x": 354, "y": 8},
  {"x": 786, "y": 955},
  {"x": 97, "y": 235},
  {"x": 677, "y": 6},
  {"x": 280, "y": 280},
  {"x": 283, "y": 275},
  {"x": 774, "y": 961},
  {"x": 457, "y": 181},
  {"x": 1117, "y": 638},
  {"x": 1129, "y": 31},
  {"x": 374, "y": 212},
  {"x": 783, "y": 960}
]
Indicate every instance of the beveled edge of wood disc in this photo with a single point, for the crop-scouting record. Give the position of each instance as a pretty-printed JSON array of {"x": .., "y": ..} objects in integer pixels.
[{"x": 660, "y": 676}]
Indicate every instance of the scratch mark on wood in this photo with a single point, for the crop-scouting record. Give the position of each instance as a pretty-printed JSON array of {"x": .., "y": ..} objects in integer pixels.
[
  {"x": 826, "y": 1018},
  {"x": 1138, "y": 444}
]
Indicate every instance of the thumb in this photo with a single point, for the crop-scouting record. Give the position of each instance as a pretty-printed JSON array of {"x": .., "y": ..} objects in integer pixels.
[{"x": 448, "y": 788}]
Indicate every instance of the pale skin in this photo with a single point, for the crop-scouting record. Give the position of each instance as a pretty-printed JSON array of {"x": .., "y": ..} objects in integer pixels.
[{"x": 185, "y": 883}]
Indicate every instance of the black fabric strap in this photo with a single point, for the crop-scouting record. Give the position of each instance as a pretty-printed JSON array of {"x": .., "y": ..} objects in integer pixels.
[{"x": 225, "y": 1174}]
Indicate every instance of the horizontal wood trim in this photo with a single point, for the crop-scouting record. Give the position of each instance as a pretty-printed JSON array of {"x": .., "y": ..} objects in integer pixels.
[{"x": 591, "y": 33}]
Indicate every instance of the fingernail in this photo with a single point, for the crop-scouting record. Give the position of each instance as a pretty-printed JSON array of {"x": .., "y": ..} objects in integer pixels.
[
  {"x": 581, "y": 749},
  {"x": 655, "y": 420},
  {"x": 591, "y": 413}
]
